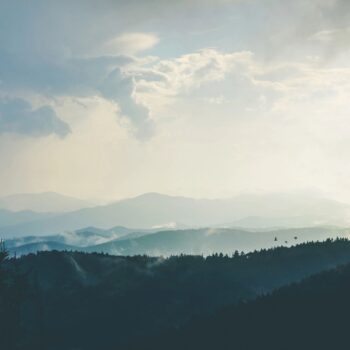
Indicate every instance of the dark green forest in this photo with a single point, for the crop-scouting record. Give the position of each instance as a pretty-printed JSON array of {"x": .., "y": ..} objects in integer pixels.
[
  {"x": 72, "y": 300},
  {"x": 313, "y": 314}
]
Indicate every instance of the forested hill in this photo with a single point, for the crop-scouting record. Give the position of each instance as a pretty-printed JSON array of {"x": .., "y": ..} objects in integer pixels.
[
  {"x": 80, "y": 301},
  {"x": 311, "y": 315}
]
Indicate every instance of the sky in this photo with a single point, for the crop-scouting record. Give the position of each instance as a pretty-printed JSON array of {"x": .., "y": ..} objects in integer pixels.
[{"x": 110, "y": 99}]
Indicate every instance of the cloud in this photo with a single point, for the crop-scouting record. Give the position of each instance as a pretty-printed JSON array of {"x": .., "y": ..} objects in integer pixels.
[
  {"x": 315, "y": 27},
  {"x": 73, "y": 76},
  {"x": 17, "y": 116},
  {"x": 80, "y": 77},
  {"x": 191, "y": 71},
  {"x": 334, "y": 41},
  {"x": 221, "y": 114},
  {"x": 87, "y": 49},
  {"x": 225, "y": 84},
  {"x": 324, "y": 36},
  {"x": 121, "y": 88},
  {"x": 130, "y": 43},
  {"x": 71, "y": 49},
  {"x": 210, "y": 87}
]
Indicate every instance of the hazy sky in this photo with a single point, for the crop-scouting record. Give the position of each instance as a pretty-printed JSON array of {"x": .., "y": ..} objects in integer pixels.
[{"x": 207, "y": 98}]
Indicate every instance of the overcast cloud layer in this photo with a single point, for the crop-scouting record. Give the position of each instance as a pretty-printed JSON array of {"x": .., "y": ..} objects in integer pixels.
[{"x": 108, "y": 99}]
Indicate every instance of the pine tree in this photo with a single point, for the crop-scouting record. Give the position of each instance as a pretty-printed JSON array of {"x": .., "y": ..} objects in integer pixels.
[{"x": 12, "y": 290}]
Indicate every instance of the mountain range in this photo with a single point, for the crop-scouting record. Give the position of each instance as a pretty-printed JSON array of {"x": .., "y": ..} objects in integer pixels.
[
  {"x": 205, "y": 241},
  {"x": 154, "y": 210}
]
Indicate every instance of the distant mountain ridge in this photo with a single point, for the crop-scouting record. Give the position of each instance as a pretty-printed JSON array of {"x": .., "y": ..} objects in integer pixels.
[
  {"x": 154, "y": 210},
  {"x": 42, "y": 202},
  {"x": 10, "y": 218},
  {"x": 81, "y": 238}
]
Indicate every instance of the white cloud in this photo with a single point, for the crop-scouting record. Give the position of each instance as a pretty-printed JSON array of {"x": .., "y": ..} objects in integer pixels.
[
  {"x": 130, "y": 43},
  {"x": 183, "y": 75}
]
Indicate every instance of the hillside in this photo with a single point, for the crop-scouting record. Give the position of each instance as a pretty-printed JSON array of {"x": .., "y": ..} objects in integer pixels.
[
  {"x": 124, "y": 241},
  {"x": 77, "y": 300},
  {"x": 214, "y": 240},
  {"x": 80, "y": 238},
  {"x": 310, "y": 315}
]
